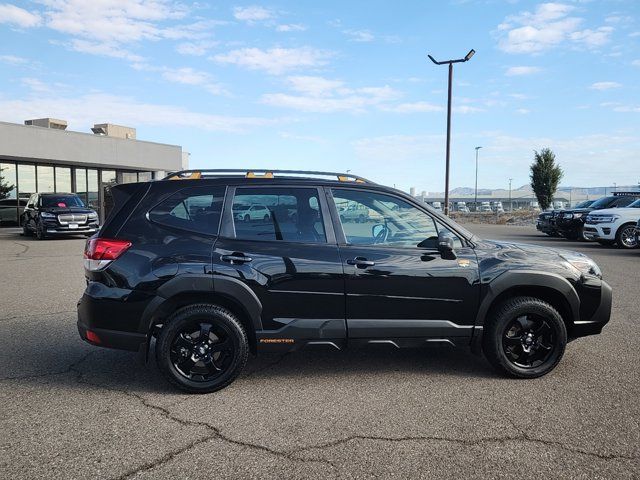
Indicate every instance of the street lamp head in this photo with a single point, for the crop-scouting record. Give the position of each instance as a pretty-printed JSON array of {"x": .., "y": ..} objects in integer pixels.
[
  {"x": 478, "y": 148},
  {"x": 471, "y": 53}
]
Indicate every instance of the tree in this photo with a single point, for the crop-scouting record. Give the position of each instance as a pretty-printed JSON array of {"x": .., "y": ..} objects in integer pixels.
[
  {"x": 545, "y": 177},
  {"x": 5, "y": 188}
]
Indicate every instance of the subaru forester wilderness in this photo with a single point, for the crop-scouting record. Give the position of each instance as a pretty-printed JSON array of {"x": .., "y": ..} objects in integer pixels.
[{"x": 175, "y": 262}]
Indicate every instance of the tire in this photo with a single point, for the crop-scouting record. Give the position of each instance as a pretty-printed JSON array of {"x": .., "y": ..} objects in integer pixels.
[
  {"x": 40, "y": 233},
  {"x": 225, "y": 362},
  {"x": 25, "y": 231},
  {"x": 342, "y": 219},
  {"x": 506, "y": 337},
  {"x": 626, "y": 236},
  {"x": 247, "y": 218},
  {"x": 266, "y": 218}
]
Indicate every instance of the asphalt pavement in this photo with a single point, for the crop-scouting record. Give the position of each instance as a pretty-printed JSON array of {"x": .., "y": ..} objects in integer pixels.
[{"x": 70, "y": 410}]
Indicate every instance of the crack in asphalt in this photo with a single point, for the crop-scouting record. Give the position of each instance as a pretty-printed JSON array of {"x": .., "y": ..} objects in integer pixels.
[
  {"x": 215, "y": 433},
  {"x": 26, "y": 249},
  {"x": 68, "y": 369}
]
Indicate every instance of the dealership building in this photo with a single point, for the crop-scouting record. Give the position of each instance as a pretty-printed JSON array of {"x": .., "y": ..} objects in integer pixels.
[{"x": 42, "y": 156}]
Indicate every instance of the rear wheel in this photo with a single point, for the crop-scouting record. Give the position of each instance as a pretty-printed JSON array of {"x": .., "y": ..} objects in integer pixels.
[
  {"x": 626, "y": 236},
  {"x": 202, "y": 348},
  {"x": 525, "y": 337}
]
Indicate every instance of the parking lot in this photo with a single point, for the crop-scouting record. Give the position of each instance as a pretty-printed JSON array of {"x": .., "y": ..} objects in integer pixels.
[{"x": 70, "y": 410}]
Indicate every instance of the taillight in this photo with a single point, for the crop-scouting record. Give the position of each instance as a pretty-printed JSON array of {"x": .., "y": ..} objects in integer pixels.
[{"x": 100, "y": 252}]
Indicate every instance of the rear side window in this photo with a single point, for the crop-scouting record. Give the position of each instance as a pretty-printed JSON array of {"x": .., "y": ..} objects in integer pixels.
[
  {"x": 196, "y": 209},
  {"x": 286, "y": 214}
]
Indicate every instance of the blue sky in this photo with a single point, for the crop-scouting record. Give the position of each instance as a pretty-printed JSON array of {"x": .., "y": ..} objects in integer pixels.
[{"x": 337, "y": 85}]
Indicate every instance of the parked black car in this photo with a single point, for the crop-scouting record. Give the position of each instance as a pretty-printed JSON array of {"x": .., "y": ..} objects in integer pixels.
[
  {"x": 55, "y": 214},
  {"x": 571, "y": 222},
  {"x": 173, "y": 262},
  {"x": 546, "y": 222}
]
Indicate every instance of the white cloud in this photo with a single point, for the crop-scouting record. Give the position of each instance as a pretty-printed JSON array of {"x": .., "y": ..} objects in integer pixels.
[
  {"x": 253, "y": 14},
  {"x": 636, "y": 63},
  {"x": 196, "y": 49},
  {"x": 523, "y": 111},
  {"x": 291, "y": 27},
  {"x": 277, "y": 60},
  {"x": 464, "y": 109},
  {"x": 604, "y": 85},
  {"x": 359, "y": 35},
  {"x": 522, "y": 70},
  {"x": 36, "y": 85},
  {"x": 13, "y": 60},
  {"x": 19, "y": 17},
  {"x": 82, "y": 111},
  {"x": 415, "y": 107},
  {"x": 103, "y": 49},
  {"x": 547, "y": 27},
  {"x": 321, "y": 95},
  {"x": 627, "y": 108},
  {"x": 189, "y": 76}
]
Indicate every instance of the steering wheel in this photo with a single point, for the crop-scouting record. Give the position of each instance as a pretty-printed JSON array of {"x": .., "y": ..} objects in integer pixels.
[{"x": 381, "y": 236}]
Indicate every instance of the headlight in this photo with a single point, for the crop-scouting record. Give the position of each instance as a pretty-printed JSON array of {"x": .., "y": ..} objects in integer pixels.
[
  {"x": 577, "y": 215},
  {"x": 567, "y": 215},
  {"x": 47, "y": 215},
  {"x": 607, "y": 218},
  {"x": 92, "y": 215},
  {"x": 583, "y": 264}
]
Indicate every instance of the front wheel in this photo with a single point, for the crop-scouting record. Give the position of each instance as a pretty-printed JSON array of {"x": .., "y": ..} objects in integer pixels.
[
  {"x": 41, "y": 234},
  {"x": 626, "y": 236},
  {"x": 202, "y": 348},
  {"x": 525, "y": 337}
]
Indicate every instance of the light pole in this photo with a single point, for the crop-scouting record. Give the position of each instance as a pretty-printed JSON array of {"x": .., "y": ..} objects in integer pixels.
[
  {"x": 450, "y": 63},
  {"x": 475, "y": 202},
  {"x": 510, "y": 202}
]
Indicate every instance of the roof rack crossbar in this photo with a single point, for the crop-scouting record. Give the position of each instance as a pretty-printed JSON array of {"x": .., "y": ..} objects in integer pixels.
[{"x": 259, "y": 173}]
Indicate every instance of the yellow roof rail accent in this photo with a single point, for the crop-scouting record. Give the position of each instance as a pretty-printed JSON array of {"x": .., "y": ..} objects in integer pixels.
[
  {"x": 191, "y": 176},
  {"x": 258, "y": 175}
]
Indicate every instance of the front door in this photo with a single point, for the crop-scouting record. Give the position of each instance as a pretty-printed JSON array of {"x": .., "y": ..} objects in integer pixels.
[
  {"x": 287, "y": 255},
  {"x": 398, "y": 285}
]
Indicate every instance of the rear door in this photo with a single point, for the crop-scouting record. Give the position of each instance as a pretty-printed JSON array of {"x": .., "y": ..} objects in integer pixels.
[
  {"x": 398, "y": 285},
  {"x": 289, "y": 259}
]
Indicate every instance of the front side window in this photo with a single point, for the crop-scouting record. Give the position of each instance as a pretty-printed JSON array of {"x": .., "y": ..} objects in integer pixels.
[
  {"x": 196, "y": 209},
  {"x": 370, "y": 218},
  {"x": 285, "y": 214}
]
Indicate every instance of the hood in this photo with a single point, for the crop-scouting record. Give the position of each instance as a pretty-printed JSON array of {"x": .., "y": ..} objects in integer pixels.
[
  {"x": 579, "y": 210},
  {"x": 616, "y": 211}
]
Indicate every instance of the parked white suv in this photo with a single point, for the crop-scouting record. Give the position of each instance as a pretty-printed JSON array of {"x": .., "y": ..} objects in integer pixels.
[
  {"x": 248, "y": 213},
  {"x": 613, "y": 225}
]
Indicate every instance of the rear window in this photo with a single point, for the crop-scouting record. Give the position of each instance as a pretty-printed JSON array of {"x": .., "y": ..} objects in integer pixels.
[{"x": 196, "y": 209}]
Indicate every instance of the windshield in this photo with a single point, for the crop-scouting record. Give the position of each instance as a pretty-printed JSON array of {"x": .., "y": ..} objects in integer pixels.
[
  {"x": 240, "y": 207},
  {"x": 62, "y": 201},
  {"x": 602, "y": 202},
  {"x": 635, "y": 204},
  {"x": 584, "y": 204}
]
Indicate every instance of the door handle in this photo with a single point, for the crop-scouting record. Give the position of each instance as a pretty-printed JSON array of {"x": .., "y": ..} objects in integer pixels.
[
  {"x": 235, "y": 258},
  {"x": 361, "y": 262}
]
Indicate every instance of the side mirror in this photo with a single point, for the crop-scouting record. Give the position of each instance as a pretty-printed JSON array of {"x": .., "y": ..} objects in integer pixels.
[{"x": 446, "y": 244}]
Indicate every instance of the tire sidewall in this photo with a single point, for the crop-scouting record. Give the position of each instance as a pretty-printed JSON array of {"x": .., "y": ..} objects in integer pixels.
[
  {"x": 179, "y": 320},
  {"x": 619, "y": 236},
  {"x": 495, "y": 330}
]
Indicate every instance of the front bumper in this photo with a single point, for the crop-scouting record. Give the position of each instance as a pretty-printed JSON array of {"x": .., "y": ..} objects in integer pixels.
[
  {"x": 595, "y": 232},
  {"x": 569, "y": 227},
  {"x": 599, "y": 317},
  {"x": 52, "y": 227}
]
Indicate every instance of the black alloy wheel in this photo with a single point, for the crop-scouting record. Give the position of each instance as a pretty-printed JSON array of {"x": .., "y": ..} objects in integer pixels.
[
  {"x": 528, "y": 341},
  {"x": 202, "y": 348},
  {"x": 524, "y": 337},
  {"x": 41, "y": 234}
]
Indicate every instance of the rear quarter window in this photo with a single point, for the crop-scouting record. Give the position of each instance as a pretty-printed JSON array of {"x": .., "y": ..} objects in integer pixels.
[{"x": 196, "y": 209}]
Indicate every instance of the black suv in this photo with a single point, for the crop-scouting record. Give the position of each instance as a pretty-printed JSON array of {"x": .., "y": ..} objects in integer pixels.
[
  {"x": 546, "y": 222},
  {"x": 55, "y": 214},
  {"x": 570, "y": 223},
  {"x": 176, "y": 262}
]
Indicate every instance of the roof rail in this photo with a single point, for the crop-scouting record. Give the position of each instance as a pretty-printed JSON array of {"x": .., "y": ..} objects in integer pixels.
[
  {"x": 260, "y": 173},
  {"x": 624, "y": 194}
]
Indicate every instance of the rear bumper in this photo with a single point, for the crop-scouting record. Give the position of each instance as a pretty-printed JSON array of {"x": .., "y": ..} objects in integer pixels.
[
  {"x": 112, "y": 339},
  {"x": 599, "y": 318}
]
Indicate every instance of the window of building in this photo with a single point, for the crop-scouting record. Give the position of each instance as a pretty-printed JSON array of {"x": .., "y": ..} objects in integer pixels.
[
  {"x": 92, "y": 189},
  {"x": 196, "y": 209},
  {"x": 26, "y": 180},
  {"x": 46, "y": 181},
  {"x": 287, "y": 214},
  {"x": 63, "y": 179},
  {"x": 129, "y": 177},
  {"x": 8, "y": 192},
  {"x": 81, "y": 183},
  {"x": 145, "y": 176}
]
